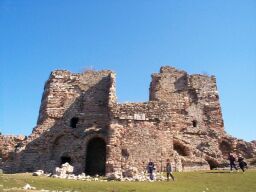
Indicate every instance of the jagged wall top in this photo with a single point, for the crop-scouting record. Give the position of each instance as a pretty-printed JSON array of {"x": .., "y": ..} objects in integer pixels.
[
  {"x": 194, "y": 96},
  {"x": 170, "y": 80},
  {"x": 64, "y": 89}
]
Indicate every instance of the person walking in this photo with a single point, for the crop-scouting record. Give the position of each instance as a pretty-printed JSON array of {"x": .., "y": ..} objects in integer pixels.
[
  {"x": 169, "y": 170},
  {"x": 232, "y": 160},
  {"x": 241, "y": 162},
  {"x": 151, "y": 168}
]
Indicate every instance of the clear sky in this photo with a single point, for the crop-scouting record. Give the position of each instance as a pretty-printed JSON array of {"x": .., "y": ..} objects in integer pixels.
[{"x": 133, "y": 38}]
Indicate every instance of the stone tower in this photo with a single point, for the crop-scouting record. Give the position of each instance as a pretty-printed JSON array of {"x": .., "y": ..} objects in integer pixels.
[{"x": 80, "y": 122}]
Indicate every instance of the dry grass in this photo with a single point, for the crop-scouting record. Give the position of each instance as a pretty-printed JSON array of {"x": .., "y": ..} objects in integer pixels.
[{"x": 218, "y": 181}]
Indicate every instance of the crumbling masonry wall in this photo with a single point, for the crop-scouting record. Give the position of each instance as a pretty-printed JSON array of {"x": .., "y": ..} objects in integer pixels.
[
  {"x": 193, "y": 99},
  {"x": 83, "y": 96},
  {"x": 8, "y": 144},
  {"x": 142, "y": 134},
  {"x": 182, "y": 121}
]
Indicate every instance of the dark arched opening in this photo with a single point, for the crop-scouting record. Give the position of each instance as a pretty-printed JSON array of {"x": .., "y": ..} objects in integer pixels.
[
  {"x": 194, "y": 122},
  {"x": 96, "y": 157},
  {"x": 225, "y": 148},
  {"x": 65, "y": 159},
  {"x": 181, "y": 149},
  {"x": 73, "y": 122},
  {"x": 213, "y": 164}
]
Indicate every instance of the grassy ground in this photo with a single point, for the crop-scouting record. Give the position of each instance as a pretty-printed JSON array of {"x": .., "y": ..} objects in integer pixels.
[{"x": 219, "y": 181}]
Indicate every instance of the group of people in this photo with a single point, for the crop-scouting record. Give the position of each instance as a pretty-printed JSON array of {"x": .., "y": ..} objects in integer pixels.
[
  {"x": 151, "y": 168},
  {"x": 232, "y": 161}
]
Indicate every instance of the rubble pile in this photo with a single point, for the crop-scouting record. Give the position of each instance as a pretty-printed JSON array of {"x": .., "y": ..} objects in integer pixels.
[{"x": 66, "y": 172}]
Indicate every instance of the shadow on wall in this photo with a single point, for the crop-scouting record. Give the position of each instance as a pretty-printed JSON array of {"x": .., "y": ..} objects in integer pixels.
[
  {"x": 181, "y": 149},
  {"x": 213, "y": 163},
  {"x": 225, "y": 147},
  {"x": 181, "y": 83},
  {"x": 67, "y": 139},
  {"x": 243, "y": 148}
]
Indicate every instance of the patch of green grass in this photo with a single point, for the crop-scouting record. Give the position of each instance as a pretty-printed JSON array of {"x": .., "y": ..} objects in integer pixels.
[{"x": 208, "y": 181}]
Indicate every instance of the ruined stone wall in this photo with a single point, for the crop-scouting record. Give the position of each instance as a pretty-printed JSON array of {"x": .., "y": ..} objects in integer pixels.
[
  {"x": 66, "y": 96},
  {"x": 182, "y": 121},
  {"x": 144, "y": 141},
  {"x": 147, "y": 111},
  {"x": 193, "y": 99},
  {"x": 196, "y": 119},
  {"x": 144, "y": 134},
  {"x": 8, "y": 144},
  {"x": 85, "y": 94}
]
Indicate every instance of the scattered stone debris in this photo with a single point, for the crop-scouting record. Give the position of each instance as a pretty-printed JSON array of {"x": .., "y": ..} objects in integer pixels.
[
  {"x": 38, "y": 173},
  {"x": 66, "y": 172},
  {"x": 28, "y": 187}
]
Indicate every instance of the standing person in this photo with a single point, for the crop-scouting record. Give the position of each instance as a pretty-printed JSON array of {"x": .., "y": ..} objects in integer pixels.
[
  {"x": 151, "y": 168},
  {"x": 169, "y": 170},
  {"x": 232, "y": 160},
  {"x": 242, "y": 163}
]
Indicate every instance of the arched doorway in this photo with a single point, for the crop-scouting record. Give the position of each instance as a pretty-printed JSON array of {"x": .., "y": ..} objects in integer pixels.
[
  {"x": 213, "y": 164},
  {"x": 225, "y": 148},
  {"x": 96, "y": 157},
  {"x": 181, "y": 149}
]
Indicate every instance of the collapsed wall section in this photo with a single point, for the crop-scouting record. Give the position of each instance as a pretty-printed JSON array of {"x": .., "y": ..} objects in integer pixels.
[
  {"x": 193, "y": 99},
  {"x": 87, "y": 93},
  {"x": 74, "y": 109},
  {"x": 9, "y": 144}
]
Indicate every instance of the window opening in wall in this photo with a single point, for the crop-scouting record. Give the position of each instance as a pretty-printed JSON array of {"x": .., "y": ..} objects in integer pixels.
[
  {"x": 194, "y": 122},
  {"x": 73, "y": 122},
  {"x": 1, "y": 157},
  {"x": 125, "y": 153}
]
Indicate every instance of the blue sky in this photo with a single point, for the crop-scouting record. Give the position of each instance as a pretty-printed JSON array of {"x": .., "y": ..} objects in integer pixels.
[{"x": 133, "y": 38}]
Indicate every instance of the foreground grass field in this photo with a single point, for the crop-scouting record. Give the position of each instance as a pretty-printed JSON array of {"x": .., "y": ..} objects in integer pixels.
[{"x": 219, "y": 181}]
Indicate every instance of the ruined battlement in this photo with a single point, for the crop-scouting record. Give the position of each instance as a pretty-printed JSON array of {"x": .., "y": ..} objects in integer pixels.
[
  {"x": 80, "y": 122},
  {"x": 82, "y": 93},
  {"x": 171, "y": 82},
  {"x": 8, "y": 144},
  {"x": 195, "y": 96}
]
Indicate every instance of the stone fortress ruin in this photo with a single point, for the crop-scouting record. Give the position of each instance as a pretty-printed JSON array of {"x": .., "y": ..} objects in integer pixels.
[{"x": 80, "y": 122}]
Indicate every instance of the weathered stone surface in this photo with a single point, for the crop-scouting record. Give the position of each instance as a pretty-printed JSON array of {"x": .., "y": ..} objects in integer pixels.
[
  {"x": 130, "y": 172},
  {"x": 38, "y": 173},
  {"x": 81, "y": 123},
  {"x": 9, "y": 144},
  {"x": 66, "y": 168}
]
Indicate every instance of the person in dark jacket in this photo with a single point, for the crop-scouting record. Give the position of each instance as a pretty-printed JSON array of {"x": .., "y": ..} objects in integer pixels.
[
  {"x": 169, "y": 170},
  {"x": 232, "y": 160},
  {"x": 242, "y": 163},
  {"x": 151, "y": 168}
]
